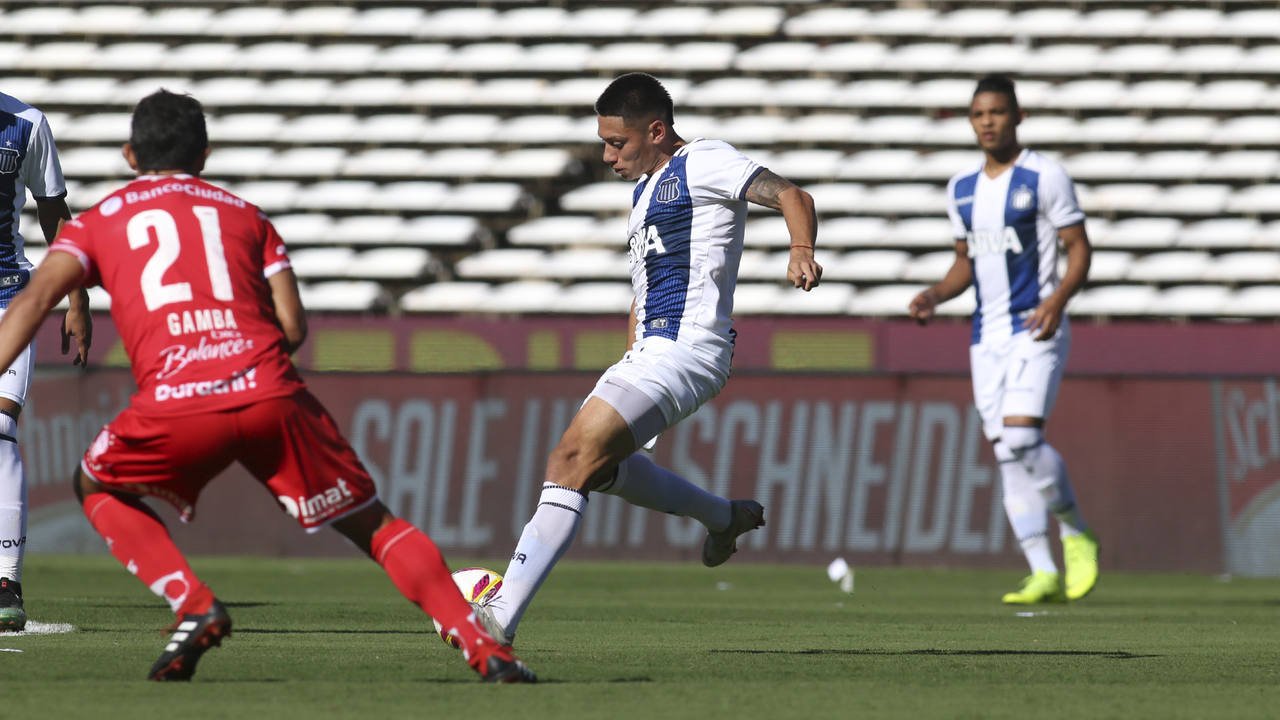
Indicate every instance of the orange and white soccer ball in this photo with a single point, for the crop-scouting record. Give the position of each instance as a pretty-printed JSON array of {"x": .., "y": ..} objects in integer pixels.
[{"x": 478, "y": 585}]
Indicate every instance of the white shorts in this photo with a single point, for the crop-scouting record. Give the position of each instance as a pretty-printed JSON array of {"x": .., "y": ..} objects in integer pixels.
[
  {"x": 673, "y": 378},
  {"x": 16, "y": 381},
  {"x": 1017, "y": 377}
]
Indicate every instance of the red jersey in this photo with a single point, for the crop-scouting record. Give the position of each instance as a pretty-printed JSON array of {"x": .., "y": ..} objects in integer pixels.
[{"x": 186, "y": 264}]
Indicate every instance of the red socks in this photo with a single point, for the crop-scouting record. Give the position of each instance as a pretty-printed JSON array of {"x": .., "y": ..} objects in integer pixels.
[
  {"x": 138, "y": 538},
  {"x": 418, "y": 570}
]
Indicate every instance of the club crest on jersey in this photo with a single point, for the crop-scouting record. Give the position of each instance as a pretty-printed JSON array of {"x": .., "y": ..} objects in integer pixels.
[
  {"x": 668, "y": 190},
  {"x": 1021, "y": 198},
  {"x": 8, "y": 161}
]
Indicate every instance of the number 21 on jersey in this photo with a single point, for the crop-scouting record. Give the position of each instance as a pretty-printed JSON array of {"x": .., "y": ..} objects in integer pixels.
[{"x": 155, "y": 292}]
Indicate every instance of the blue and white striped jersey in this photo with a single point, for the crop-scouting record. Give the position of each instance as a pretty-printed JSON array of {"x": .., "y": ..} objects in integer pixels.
[
  {"x": 686, "y": 229},
  {"x": 1011, "y": 224},
  {"x": 28, "y": 161}
]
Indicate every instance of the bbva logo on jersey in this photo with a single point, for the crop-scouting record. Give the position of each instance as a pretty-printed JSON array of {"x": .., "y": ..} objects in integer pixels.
[
  {"x": 993, "y": 242},
  {"x": 645, "y": 242}
]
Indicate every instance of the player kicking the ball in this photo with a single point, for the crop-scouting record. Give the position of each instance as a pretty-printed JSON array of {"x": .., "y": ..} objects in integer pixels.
[
  {"x": 1009, "y": 214},
  {"x": 207, "y": 306},
  {"x": 686, "y": 230}
]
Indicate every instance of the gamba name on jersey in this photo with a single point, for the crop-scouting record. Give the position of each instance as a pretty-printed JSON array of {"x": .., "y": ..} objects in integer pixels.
[
  {"x": 186, "y": 265},
  {"x": 1010, "y": 224},
  {"x": 685, "y": 242}
]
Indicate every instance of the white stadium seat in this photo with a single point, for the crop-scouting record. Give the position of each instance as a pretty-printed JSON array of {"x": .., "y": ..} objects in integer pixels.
[
  {"x": 587, "y": 263},
  {"x": 598, "y": 198},
  {"x": 391, "y": 264},
  {"x": 109, "y": 127},
  {"x": 750, "y": 21},
  {"x": 1243, "y": 164},
  {"x": 926, "y": 232},
  {"x": 307, "y": 162},
  {"x": 388, "y": 162},
  {"x": 1193, "y": 300},
  {"x": 1137, "y": 58},
  {"x": 241, "y": 161},
  {"x": 1125, "y": 300},
  {"x": 246, "y": 21},
  {"x": 1068, "y": 59},
  {"x": 1219, "y": 233},
  {"x": 537, "y": 22},
  {"x": 1173, "y": 164},
  {"x": 446, "y": 297},
  {"x": 342, "y": 295},
  {"x": 525, "y": 296},
  {"x": 201, "y": 56},
  {"x": 1185, "y": 22},
  {"x": 48, "y": 21},
  {"x": 852, "y": 232},
  {"x": 1166, "y": 94},
  {"x": 1192, "y": 200},
  {"x": 459, "y": 23},
  {"x": 1109, "y": 266},
  {"x": 791, "y": 56},
  {"x": 348, "y": 195},
  {"x": 557, "y": 57},
  {"x": 1232, "y": 95},
  {"x": 1092, "y": 94},
  {"x": 1257, "y": 301},
  {"x": 975, "y": 22},
  {"x": 829, "y": 299},
  {"x": 1255, "y": 199},
  {"x": 1113, "y": 23},
  {"x": 365, "y": 229},
  {"x": 923, "y": 57},
  {"x": 323, "y": 20},
  {"x": 828, "y": 22},
  {"x": 485, "y": 197},
  {"x": 442, "y": 231},
  {"x": 599, "y": 22},
  {"x": 838, "y": 198},
  {"x": 503, "y": 263},
  {"x": 464, "y": 129},
  {"x": 1143, "y": 232},
  {"x": 273, "y": 57},
  {"x": 595, "y": 298},
  {"x": 1102, "y": 165},
  {"x": 342, "y": 59},
  {"x": 387, "y": 21},
  {"x": 867, "y": 266},
  {"x": 879, "y": 164},
  {"x": 1246, "y": 266},
  {"x": 562, "y": 230},
  {"x": 885, "y": 300},
  {"x": 413, "y": 58},
  {"x": 326, "y": 262},
  {"x": 1207, "y": 59},
  {"x": 993, "y": 57},
  {"x": 929, "y": 267},
  {"x": 493, "y": 57},
  {"x": 1112, "y": 129},
  {"x": 302, "y": 228},
  {"x": 1250, "y": 24},
  {"x": 1171, "y": 266},
  {"x": 902, "y": 22},
  {"x": 129, "y": 56},
  {"x": 94, "y": 162},
  {"x": 407, "y": 195}
]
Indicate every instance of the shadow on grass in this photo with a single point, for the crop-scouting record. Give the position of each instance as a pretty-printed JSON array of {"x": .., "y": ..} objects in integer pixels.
[
  {"x": 1108, "y": 654},
  {"x": 329, "y": 631}
]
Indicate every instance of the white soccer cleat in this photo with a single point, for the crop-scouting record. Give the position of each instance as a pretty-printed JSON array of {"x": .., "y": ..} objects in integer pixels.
[
  {"x": 487, "y": 620},
  {"x": 744, "y": 516}
]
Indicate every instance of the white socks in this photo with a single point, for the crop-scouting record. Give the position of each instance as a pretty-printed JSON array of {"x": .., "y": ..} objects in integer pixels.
[
  {"x": 640, "y": 481},
  {"x": 1048, "y": 474},
  {"x": 13, "y": 502},
  {"x": 545, "y": 539},
  {"x": 1027, "y": 511}
]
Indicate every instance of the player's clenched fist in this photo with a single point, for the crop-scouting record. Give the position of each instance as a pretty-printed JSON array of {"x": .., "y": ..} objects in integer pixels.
[
  {"x": 922, "y": 306},
  {"x": 802, "y": 270}
]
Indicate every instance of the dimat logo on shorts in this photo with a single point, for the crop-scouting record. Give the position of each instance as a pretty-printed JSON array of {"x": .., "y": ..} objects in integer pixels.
[{"x": 320, "y": 505}]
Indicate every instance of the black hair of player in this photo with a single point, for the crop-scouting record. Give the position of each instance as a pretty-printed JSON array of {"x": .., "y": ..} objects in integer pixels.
[
  {"x": 637, "y": 98},
  {"x": 1002, "y": 84},
  {"x": 168, "y": 132}
]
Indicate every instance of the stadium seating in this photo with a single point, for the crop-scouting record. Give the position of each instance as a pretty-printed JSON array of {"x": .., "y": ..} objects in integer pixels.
[{"x": 442, "y": 157}]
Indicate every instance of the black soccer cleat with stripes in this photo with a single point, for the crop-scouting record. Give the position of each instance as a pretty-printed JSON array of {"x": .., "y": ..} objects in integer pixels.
[{"x": 192, "y": 636}]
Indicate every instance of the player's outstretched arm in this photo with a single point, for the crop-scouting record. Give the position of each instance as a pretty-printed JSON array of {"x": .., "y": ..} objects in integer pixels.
[
  {"x": 78, "y": 322},
  {"x": 958, "y": 279},
  {"x": 288, "y": 306},
  {"x": 797, "y": 209},
  {"x": 1047, "y": 317},
  {"x": 59, "y": 274}
]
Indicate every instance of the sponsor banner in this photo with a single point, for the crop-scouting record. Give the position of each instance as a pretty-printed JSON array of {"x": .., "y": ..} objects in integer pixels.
[
  {"x": 447, "y": 344},
  {"x": 1247, "y": 432},
  {"x": 886, "y": 469}
]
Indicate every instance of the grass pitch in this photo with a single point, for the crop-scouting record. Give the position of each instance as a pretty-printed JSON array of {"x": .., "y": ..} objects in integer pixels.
[{"x": 333, "y": 639}]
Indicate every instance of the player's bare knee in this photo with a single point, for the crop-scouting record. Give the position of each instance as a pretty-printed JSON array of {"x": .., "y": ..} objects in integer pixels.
[
  {"x": 359, "y": 527},
  {"x": 570, "y": 465}
]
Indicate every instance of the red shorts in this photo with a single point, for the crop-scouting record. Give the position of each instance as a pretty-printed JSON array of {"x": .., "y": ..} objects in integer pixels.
[{"x": 290, "y": 444}]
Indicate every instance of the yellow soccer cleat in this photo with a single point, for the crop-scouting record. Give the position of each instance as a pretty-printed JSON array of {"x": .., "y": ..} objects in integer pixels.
[
  {"x": 1080, "y": 553},
  {"x": 1038, "y": 587}
]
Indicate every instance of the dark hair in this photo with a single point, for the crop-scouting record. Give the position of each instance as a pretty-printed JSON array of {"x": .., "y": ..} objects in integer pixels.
[
  {"x": 168, "y": 132},
  {"x": 636, "y": 98},
  {"x": 1002, "y": 84}
]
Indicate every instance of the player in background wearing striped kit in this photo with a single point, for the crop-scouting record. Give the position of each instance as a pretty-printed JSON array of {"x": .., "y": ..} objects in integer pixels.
[
  {"x": 1009, "y": 213},
  {"x": 689, "y": 210},
  {"x": 28, "y": 162}
]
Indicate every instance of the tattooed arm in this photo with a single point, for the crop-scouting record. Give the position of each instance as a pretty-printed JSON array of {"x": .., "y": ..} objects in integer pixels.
[{"x": 797, "y": 209}]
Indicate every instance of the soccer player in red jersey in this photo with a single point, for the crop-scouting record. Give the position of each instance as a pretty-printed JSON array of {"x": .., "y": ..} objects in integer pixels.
[{"x": 207, "y": 306}]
